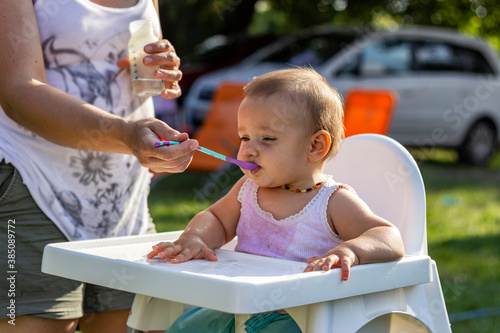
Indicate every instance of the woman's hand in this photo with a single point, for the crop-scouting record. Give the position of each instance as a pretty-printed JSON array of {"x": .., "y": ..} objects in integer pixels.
[
  {"x": 143, "y": 134},
  {"x": 340, "y": 257},
  {"x": 162, "y": 53},
  {"x": 183, "y": 249}
]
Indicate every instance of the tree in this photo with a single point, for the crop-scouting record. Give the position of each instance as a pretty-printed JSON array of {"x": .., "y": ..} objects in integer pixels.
[{"x": 188, "y": 22}]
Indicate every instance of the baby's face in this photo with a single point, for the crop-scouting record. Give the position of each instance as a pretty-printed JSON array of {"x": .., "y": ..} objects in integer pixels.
[{"x": 275, "y": 138}]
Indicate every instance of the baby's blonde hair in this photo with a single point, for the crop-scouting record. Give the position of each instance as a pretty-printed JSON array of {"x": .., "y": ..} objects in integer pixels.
[{"x": 306, "y": 90}]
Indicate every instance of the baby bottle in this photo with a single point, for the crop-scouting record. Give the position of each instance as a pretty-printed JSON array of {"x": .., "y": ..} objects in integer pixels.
[{"x": 143, "y": 81}]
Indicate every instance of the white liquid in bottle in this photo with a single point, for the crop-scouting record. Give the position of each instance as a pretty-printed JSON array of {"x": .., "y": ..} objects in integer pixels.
[{"x": 143, "y": 81}]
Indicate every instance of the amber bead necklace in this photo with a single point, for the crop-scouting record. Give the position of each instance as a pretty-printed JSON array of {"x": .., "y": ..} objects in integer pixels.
[{"x": 296, "y": 190}]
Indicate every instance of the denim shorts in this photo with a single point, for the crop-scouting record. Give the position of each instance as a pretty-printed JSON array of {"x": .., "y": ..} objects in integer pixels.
[{"x": 25, "y": 290}]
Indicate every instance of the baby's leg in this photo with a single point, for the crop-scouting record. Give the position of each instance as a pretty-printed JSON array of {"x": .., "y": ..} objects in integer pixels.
[{"x": 203, "y": 320}]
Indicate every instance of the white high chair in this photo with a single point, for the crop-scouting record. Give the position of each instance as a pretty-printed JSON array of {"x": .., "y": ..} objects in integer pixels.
[{"x": 402, "y": 296}]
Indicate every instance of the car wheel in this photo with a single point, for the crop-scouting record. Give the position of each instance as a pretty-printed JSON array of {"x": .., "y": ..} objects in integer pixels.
[{"x": 480, "y": 143}]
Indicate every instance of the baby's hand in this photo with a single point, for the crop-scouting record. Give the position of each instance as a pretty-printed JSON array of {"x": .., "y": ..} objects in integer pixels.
[
  {"x": 339, "y": 257},
  {"x": 183, "y": 249}
]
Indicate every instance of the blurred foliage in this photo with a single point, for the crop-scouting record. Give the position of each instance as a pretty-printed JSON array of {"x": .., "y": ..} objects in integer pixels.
[{"x": 188, "y": 22}]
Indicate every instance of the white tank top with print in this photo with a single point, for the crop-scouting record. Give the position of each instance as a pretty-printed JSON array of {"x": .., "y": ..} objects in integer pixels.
[{"x": 86, "y": 194}]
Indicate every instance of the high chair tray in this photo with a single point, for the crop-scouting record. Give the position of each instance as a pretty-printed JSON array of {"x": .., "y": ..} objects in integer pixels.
[{"x": 236, "y": 283}]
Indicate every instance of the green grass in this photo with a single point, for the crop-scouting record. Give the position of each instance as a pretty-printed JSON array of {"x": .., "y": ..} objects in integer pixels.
[
  {"x": 176, "y": 198},
  {"x": 463, "y": 223},
  {"x": 463, "y": 226}
]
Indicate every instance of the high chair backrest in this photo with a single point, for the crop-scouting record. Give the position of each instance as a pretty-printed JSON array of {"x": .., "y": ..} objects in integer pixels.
[
  {"x": 387, "y": 178},
  {"x": 219, "y": 132},
  {"x": 368, "y": 111}
]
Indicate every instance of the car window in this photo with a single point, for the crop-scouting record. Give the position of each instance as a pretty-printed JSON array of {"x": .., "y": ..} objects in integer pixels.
[
  {"x": 434, "y": 56},
  {"x": 226, "y": 50},
  {"x": 473, "y": 61},
  {"x": 388, "y": 57},
  {"x": 444, "y": 57},
  {"x": 310, "y": 51}
]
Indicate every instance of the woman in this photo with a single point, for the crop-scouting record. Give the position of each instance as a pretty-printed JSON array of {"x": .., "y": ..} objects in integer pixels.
[{"x": 75, "y": 149}]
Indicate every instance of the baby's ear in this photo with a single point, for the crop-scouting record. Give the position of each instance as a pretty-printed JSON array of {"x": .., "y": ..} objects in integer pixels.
[{"x": 320, "y": 145}]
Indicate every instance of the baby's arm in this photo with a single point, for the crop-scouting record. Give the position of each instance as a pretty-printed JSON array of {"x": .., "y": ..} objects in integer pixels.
[
  {"x": 368, "y": 238},
  {"x": 208, "y": 230}
]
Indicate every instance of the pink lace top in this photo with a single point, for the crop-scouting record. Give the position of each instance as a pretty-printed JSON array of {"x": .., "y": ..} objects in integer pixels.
[{"x": 296, "y": 237}]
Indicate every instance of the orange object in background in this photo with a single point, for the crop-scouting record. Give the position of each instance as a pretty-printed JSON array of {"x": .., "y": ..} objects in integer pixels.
[
  {"x": 368, "y": 111},
  {"x": 219, "y": 131}
]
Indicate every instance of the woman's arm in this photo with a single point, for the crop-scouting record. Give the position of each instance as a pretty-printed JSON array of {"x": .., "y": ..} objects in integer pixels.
[
  {"x": 63, "y": 119},
  {"x": 155, "y": 2}
]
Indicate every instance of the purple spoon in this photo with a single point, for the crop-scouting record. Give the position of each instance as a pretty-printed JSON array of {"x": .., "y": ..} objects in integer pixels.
[{"x": 241, "y": 164}]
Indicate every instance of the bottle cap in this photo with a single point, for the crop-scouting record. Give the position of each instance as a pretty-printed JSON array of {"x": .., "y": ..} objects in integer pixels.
[{"x": 141, "y": 26}]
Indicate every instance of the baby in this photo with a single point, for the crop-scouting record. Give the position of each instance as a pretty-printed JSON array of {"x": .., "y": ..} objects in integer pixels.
[{"x": 290, "y": 122}]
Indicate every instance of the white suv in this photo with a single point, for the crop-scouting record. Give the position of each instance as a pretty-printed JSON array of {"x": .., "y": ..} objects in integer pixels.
[{"x": 448, "y": 85}]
